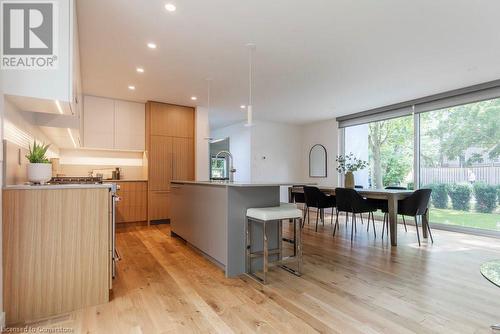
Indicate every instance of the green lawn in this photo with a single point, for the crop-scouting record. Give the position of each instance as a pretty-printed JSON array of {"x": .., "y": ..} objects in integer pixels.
[{"x": 488, "y": 221}]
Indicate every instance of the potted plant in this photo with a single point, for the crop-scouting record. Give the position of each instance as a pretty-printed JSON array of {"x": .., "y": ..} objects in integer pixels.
[
  {"x": 39, "y": 168},
  {"x": 347, "y": 165}
]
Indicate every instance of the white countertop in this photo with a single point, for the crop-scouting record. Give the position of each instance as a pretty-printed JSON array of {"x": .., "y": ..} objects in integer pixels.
[
  {"x": 56, "y": 186},
  {"x": 238, "y": 184},
  {"x": 125, "y": 180}
]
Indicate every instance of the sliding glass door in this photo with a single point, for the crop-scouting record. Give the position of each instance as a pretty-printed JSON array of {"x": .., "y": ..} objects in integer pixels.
[
  {"x": 459, "y": 160},
  {"x": 388, "y": 147},
  {"x": 456, "y": 151}
]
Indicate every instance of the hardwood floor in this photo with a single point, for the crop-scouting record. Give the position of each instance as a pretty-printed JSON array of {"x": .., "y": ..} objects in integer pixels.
[{"x": 163, "y": 286}]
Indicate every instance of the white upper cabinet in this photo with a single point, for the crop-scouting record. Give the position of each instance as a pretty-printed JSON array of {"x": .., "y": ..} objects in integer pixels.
[
  {"x": 113, "y": 124},
  {"x": 98, "y": 122},
  {"x": 62, "y": 83},
  {"x": 130, "y": 127}
]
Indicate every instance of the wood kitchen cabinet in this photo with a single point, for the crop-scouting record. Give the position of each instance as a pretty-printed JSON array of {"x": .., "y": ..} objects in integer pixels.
[
  {"x": 132, "y": 206},
  {"x": 57, "y": 250},
  {"x": 170, "y": 146}
]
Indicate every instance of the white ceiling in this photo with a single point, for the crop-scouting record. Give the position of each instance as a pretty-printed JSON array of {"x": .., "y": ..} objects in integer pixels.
[{"x": 315, "y": 59}]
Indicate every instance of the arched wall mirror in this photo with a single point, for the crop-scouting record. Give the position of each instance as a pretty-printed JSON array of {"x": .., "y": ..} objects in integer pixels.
[{"x": 317, "y": 161}]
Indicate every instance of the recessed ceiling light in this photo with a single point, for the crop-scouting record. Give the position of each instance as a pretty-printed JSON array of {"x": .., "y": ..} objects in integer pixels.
[
  {"x": 194, "y": 98},
  {"x": 152, "y": 45},
  {"x": 242, "y": 106},
  {"x": 170, "y": 7},
  {"x": 131, "y": 87},
  {"x": 139, "y": 70}
]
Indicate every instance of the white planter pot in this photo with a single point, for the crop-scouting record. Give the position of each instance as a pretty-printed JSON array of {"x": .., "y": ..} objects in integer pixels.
[{"x": 39, "y": 172}]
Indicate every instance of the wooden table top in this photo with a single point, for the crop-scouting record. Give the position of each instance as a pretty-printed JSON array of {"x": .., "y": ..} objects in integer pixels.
[{"x": 370, "y": 193}]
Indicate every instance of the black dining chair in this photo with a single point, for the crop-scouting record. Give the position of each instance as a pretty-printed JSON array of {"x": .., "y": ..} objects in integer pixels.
[
  {"x": 315, "y": 198},
  {"x": 415, "y": 205},
  {"x": 350, "y": 201},
  {"x": 383, "y": 206}
]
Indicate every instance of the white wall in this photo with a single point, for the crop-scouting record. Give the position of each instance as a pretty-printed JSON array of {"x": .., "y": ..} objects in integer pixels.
[
  {"x": 276, "y": 155},
  {"x": 18, "y": 133},
  {"x": 240, "y": 148},
  {"x": 202, "y": 133},
  {"x": 326, "y": 134}
]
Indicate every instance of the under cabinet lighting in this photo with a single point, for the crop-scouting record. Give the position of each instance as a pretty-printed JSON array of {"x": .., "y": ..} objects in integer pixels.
[
  {"x": 152, "y": 45},
  {"x": 72, "y": 138},
  {"x": 242, "y": 106},
  {"x": 170, "y": 7},
  {"x": 194, "y": 98},
  {"x": 58, "y": 105},
  {"x": 131, "y": 87},
  {"x": 139, "y": 70}
]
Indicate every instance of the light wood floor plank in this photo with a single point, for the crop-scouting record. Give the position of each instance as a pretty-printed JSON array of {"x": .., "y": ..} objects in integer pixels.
[{"x": 164, "y": 286}]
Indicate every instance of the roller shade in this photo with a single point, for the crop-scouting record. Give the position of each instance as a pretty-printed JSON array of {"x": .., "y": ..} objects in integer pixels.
[{"x": 476, "y": 93}]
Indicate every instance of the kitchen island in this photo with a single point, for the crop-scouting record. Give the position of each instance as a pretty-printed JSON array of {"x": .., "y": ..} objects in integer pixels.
[
  {"x": 57, "y": 249},
  {"x": 211, "y": 216}
]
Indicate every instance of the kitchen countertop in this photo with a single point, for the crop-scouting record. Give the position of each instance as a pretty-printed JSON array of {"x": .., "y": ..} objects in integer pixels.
[
  {"x": 126, "y": 180},
  {"x": 56, "y": 186},
  {"x": 238, "y": 184}
]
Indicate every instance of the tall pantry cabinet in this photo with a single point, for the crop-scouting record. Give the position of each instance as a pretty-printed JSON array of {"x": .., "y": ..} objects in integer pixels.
[{"x": 170, "y": 147}]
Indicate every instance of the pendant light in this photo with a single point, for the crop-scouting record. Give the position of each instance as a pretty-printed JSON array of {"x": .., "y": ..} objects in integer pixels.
[{"x": 251, "y": 50}]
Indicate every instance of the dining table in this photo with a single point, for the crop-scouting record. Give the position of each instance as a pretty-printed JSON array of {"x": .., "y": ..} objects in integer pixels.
[{"x": 392, "y": 196}]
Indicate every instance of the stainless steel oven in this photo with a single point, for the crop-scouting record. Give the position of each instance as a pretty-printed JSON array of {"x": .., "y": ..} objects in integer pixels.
[{"x": 114, "y": 199}]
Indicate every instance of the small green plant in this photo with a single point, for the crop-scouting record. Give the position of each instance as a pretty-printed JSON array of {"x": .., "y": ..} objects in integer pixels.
[
  {"x": 349, "y": 163},
  {"x": 486, "y": 197},
  {"x": 460, "y": 195},
  {"x": 439, "y": 195},
  {"x": 36, "y": 154}
]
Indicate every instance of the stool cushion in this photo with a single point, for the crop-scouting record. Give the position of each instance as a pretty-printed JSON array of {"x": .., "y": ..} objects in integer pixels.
[{"x": 274, "y": 213}]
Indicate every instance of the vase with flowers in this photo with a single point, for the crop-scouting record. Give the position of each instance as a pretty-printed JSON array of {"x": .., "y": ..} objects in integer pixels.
[{"x": 347, "y": 165}]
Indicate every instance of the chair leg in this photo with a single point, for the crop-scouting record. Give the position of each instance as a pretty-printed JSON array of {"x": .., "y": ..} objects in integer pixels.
[
  {"x": 383, "y": 226},
  {"x": 418, "y": 235},
  {"x": 368, "y": 225},
  {"x": 331, "y": 222},
  {"x": 346, "y": 218},
  {"x": 404, "y": 222},
  {"x": 317, "y": 217},
  {"x": 323, "y": 216},
  {"x": 361, "y": 215},
  {"x": 430, "y": 233},
  {"x": 387, "y": 226},
  {"x": 353, "y": 222},
  {"x": 336, "y": 226},
  {"x": 373, "y": 223},
  {"x": 308, "y": 215}
]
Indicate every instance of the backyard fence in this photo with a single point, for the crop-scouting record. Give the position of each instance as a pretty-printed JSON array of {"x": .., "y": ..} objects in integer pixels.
[{"x": 489, "y": 175}]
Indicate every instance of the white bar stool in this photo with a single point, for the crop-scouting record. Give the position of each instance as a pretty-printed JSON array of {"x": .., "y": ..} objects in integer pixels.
[{"x": 264, "y": 216}]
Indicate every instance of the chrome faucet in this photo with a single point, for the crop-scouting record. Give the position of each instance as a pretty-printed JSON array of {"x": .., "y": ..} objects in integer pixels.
[{"x": 232, "y": 170}]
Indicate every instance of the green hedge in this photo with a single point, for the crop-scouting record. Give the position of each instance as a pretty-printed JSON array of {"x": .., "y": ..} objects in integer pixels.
[
  {"x": 460, "y": 195},
  {"x": 498, "y": 194},
  {"x": 486, "y": 197},
  {"x": 439, "y": 195}
]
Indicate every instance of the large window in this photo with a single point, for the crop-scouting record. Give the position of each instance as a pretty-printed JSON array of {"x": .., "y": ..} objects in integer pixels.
[
  {"x": 458, "y": 158},
  {"x": 388, "y": 148}
]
